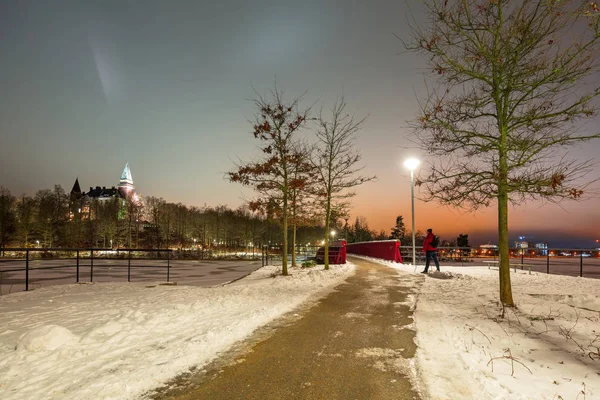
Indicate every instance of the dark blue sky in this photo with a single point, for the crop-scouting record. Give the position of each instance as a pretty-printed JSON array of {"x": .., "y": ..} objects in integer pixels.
[{"x": 164, "y": 85}]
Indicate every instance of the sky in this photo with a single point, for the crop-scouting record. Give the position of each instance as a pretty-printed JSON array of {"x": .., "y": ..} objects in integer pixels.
[
  {"x": 69, "y": 341},
  {"x": 167, "y": 87}
]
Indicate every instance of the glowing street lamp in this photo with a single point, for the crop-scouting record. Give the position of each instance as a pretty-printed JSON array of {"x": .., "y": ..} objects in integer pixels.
[
  {"x": 332, "y": 235},
  {"x": 411, "y": 164}
]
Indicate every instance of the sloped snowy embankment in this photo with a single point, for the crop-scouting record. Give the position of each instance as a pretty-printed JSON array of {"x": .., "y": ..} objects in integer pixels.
[
  {"x": 548, "y": 348},
  {"x": 118, "y": 340}
]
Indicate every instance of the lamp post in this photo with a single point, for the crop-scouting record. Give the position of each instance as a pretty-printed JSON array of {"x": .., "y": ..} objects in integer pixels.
[
  {"x": 332, "y": 236},
  {"x": 412, "y": 164},
  {"x": 346, "y": 230}
]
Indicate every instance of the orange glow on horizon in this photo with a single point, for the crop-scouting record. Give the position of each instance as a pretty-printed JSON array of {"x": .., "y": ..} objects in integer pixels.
[{"x": 570, "y": 217}]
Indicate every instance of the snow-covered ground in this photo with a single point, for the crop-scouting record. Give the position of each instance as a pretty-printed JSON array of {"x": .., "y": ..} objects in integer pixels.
[
  {"x": 119, "y": 340},
  {"x": 548, "y": 348}
]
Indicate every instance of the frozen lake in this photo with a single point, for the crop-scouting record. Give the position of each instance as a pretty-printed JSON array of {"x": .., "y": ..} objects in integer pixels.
[{"x": 188, "y": 272}]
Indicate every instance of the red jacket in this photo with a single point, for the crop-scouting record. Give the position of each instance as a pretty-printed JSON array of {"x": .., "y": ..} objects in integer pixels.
[{"x": 427, "y": 244}]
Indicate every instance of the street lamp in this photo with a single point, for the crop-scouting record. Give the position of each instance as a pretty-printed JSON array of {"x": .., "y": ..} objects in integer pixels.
[
  {"x": 332, "y": 236},
  {"x": 346, "y": 230},
  {"x": 412, "y": 164}
]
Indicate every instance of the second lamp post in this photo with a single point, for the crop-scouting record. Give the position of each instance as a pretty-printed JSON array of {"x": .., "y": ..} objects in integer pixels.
[{"x": 412, "y": 164}]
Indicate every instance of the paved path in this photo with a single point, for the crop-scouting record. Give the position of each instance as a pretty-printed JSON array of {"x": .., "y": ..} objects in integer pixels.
[{"x": 353, "y": 344}]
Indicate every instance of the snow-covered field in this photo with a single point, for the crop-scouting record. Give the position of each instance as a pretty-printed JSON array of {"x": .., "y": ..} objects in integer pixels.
[
  {"x": 119, "y": 340},
  {"x": 548, "y": 348}
]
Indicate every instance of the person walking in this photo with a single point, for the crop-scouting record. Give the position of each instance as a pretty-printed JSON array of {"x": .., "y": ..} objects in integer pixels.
[{"x": 430, "y": 249}]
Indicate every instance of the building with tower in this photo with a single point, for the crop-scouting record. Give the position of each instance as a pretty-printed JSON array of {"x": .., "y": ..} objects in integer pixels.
[{"x": 80, "y": 201}]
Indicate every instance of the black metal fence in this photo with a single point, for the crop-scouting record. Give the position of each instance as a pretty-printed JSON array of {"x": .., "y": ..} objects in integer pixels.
[
  {"x": 24, "y": 267},
  {"x": 17, "y": 265},
  {"x": 271, "y": 254},
  {"x": 560, "y": 261}
]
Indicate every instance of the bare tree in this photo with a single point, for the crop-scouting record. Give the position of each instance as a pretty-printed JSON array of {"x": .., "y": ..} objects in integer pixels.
[
  {"x": 107, "y": 222},
  {"x": 7, "y": 216},
  {"x": 336, "y": 162},
  {"x": 276, "y": 123},
  {"x": 153, "y": 213},
  {"x": 514, "y": 82},
  {"x": 52, "y": 215},
  {"x": 26, "y": 212},
  {"x": 303, "y": 175}
]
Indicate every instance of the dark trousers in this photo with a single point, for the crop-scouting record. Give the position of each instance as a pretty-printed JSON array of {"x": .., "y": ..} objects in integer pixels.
[{"x": 431, "y": 255}]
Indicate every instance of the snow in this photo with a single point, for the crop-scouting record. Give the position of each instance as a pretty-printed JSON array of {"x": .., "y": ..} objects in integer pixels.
[
  {"x": 119, "y": 340},
  {"x": 546, "y": 348}
]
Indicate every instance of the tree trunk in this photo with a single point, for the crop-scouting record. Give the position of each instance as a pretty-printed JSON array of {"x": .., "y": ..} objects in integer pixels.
[
  {"x": 284, "y": 251},
  {"x": 294, "y": 245},
  {"x": 327, "y": 219},
  {"x": 504, "y": 270}
]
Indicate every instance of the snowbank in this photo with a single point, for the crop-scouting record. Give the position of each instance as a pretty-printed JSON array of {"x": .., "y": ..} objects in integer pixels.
[
  {"x": 119, "y": 340},
  {"x": 547, "y": 348}
]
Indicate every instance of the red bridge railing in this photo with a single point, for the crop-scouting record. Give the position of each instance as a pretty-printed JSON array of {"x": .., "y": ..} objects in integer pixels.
[
  {"x": 384, "y": 249},
  {"x": 337, "y": 253}
]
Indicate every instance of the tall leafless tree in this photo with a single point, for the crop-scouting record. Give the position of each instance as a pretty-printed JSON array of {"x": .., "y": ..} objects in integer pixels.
[
  {"x": 514, "y": 83},
  {"x": 276, "y": 124},
  {"x": 336, "y": 161}
]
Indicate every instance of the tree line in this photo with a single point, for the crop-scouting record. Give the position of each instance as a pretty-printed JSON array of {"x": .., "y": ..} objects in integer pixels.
[{"x": 49, "y": 219}]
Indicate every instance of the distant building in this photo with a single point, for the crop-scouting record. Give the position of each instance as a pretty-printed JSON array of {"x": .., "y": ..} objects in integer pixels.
[
  {"x": 541, "y": 249},
  {"x": 80, "y": 201},
  {"x": 490, "y": 249},
  {"x": 521, "y": 246}
]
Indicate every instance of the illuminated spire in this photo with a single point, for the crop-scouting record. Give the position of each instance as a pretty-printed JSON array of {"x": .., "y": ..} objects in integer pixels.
[
  {"x": 126, "y": 178},
  {"x": 126, "y": 182}
]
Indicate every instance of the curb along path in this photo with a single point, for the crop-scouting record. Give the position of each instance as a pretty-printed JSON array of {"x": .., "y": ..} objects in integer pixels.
[{"x": 355, "y": 343}]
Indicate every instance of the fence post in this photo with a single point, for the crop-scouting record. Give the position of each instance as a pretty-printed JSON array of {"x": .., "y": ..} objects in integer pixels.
[
  {"x": 581, "y": 264},
  {"x": 168, "y": 264},
  {"x": 129, "y": 267},
  {"x": 548, "y": 263},
  {"x": 522, "y": 256},
  {"x": 27, "y": 270},
  {"x": 92, "y": 265},
  {"x": 77, "y": 266}
]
